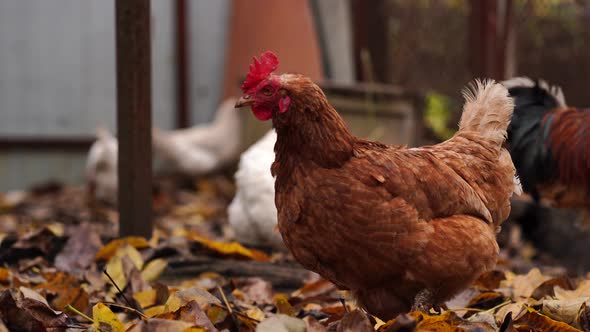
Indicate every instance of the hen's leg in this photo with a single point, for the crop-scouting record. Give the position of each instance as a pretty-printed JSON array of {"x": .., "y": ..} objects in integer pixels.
[{"x": 424, "y": 300}]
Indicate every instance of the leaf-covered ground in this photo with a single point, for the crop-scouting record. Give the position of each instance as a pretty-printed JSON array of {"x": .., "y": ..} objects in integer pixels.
[{"x": 63, "y": 270}]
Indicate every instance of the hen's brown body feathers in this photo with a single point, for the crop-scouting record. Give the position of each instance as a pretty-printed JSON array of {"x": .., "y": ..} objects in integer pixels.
[{"x": 388, "y": 222}]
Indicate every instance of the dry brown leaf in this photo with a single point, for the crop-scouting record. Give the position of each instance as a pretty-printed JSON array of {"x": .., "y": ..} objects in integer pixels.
[
  {"x": 254, "y": 290},
  {"x": 564, "y": 310},
  {"x": 355, "y": 321},
  {"x": 514, "y": 309},
  {"x": 313, "y": 325},
  {"x": 523, "y": 286},
  {"x": 109, "y": 250},
  {"x": 164, "y": 325},
  {"x": 229, "y": 248},
  {"x": 315, "y": 288},
  {"x": 534, "y": 321},
  {"x": 181, "y": 297},
  {"x": 190, "y": 313},
  {"x": 583, "y": 290},
  {"x": 490, "y": 280},
  {"x": 28, "y": 311},
  {"x": 80, "y": 250},
  {"x": 64, "y": 289},
  {"x": 281, "y": 323}
]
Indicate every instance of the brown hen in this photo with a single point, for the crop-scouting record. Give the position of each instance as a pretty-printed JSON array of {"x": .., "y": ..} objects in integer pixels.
[{"x": 401, "y": 228}]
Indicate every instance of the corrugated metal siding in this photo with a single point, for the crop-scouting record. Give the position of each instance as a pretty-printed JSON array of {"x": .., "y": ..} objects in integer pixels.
[
  {"x": 57, "y": 75},
  {"x": 207, "y": 48}
]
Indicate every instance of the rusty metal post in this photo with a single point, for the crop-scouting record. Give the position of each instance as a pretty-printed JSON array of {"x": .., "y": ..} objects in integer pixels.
[{"x": 134, "y": 119}]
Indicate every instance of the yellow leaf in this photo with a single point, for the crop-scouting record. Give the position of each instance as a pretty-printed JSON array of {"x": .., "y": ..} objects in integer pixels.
[
  {"x": 105, "y": 319},
  {"x": 114, "y": 266},
  {"x": 111, "y": 248},
  {"x": 283, "y": 305},
  {"x": 56, "y": 228},
  {"x": 156, "y": 310},
  {"x": 255, "y": 313},
  {"x": 229, "y": 248},
  {"x": 194, "y": 329},
  {"x": 146, "y": 298},
  {"x": 154, "y": 269},
  {"x": 216, "y": 314}
]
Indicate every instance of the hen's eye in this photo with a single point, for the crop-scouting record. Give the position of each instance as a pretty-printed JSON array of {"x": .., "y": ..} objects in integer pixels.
[{"x": 267, "y": 91}]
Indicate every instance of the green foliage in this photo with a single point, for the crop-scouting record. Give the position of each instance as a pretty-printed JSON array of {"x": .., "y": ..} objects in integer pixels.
[{"x": 438, "y": 115}]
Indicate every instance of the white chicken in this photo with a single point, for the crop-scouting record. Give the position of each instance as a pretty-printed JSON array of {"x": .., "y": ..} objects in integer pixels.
[
  {"x": 203, "y": 148},
  {"x": 252, "y": 213},
  {"x": 193, "y": 151},
  {"x": 101, "y": 167}
]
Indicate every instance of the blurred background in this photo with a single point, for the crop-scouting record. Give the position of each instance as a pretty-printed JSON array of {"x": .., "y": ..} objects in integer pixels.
[{"x": 57, "y": 63}]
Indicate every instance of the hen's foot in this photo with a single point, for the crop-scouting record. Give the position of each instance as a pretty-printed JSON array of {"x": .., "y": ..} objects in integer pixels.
[{"x": 423, "y": 301}]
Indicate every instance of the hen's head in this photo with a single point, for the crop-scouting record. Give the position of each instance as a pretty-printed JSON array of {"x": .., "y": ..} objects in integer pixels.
[{"x": 263, "y": 91}]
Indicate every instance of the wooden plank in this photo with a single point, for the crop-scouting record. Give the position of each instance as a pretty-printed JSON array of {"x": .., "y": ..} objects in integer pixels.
[
  {"x": 43, "y": 142},
  {"x": 134, "y": 116},
  {"x": 182, "y": 64}
]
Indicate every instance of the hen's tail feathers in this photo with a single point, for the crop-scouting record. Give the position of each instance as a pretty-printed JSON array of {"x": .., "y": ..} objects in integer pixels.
[
  {"x": 488, "y": 109},
  {"x": 552, "y": 93}
]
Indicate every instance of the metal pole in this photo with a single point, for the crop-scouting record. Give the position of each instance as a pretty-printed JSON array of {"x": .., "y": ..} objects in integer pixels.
[{"x": 134, "y": 119}]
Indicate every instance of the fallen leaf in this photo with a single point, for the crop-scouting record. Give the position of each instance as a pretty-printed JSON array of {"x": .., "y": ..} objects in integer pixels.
[
  {"x": 563, "y": 310},
  {"x": 534, "y": 321},
  {"x": 153, "y": 269},
  {"x": 281, "y": 301},
  {"x": 513, "y": 309},
  {"x": 229, "y": 248},
  {"x": 105, "y": 319},
  {"x": 281, "y": 323},
  {"x": 217, "y": 314},
  {"x": 255, "y": 290},
  {"x": 523, "y": 286},
  {"x": 547, "y": 288},
  {"x": 190, "y": 313},
  {"x": 135, "y": 281},
  {"x": 43, "y": 240},
  {"x": 80, "y": 250},
  {"x": 24, "y": 312},
  {"x": 109, "y": 250},
  {"x": 355, "y": 321},
  {"x": 114, "y": 266},
  {"x": 315, "y": 288},
  {"x": 583, "y": 290},
  {"x": 583, "y": 319},
  {"x": 5, "y": 275},
  {"x": 163, "y": 325},
  {"x": 490, "y": 280},
  {"x": 313, "y": 325},
  {"x": 146, "y": 298},
  {"x": 255, "y": 313},
  {"x": 64, "y": 289}
]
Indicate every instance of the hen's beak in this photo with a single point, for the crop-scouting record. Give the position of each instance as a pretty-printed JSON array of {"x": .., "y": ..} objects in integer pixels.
[{"x": 244, "y": 100}]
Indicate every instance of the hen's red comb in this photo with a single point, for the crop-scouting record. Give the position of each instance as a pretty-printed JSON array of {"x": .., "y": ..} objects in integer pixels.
[{"x": 260, "y": 70}]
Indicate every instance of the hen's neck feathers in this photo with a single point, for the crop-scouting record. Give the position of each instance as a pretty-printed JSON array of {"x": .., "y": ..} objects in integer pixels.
[{"x": 311, "y": 130}]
